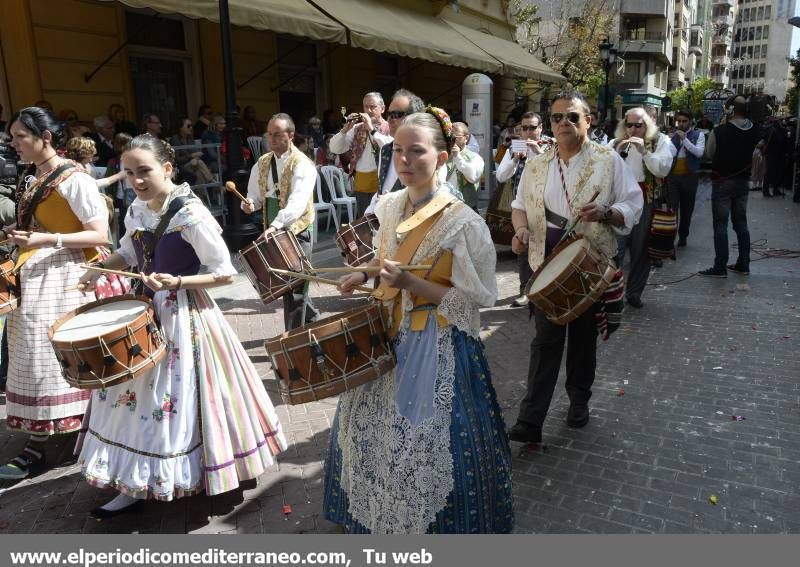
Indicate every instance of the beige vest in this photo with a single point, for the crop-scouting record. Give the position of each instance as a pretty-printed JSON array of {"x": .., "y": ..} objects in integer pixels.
[
  {"x": 285, "y": 188},
  {"x": 597, "y": 175}
]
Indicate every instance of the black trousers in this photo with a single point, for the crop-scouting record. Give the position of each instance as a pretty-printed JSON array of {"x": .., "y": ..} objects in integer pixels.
[
  {"x": 682, "y": 193},
  {"x": 297, "y": 306},
  {"x": 547, "y": 349},
  {"x": 525, "y": 272}
]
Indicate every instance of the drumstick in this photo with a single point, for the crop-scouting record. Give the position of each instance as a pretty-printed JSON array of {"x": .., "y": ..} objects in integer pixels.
[
  {"x": 576, "y": 220},
  {"x": 110, "y": 271},
  {"x": 302, "y": 276},
  {"x": 346, "y": 269},
  {"x": 6, "y": 241},
  {"x": 230, "y": 187}
]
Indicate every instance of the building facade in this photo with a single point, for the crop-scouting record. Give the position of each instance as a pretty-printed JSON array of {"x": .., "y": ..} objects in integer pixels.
[
  {"x": 687, "y": 41},
  {"x": 722, "y": 19}
]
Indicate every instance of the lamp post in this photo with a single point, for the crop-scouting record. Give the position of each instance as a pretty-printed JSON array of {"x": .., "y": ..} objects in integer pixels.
[
  {"x": 689, "y": 97},
  {"x": 795, "y": 21},
  {"x": 608, "y": 55}
]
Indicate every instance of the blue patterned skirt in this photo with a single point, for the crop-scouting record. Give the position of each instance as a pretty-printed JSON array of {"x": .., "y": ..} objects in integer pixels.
[{"x": 481, "y": 499}]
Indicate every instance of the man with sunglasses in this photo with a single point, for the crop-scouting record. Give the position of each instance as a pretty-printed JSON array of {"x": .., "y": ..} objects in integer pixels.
[
  {"x": 511, "y": 167},
  {"x": 682, "y": 181},
  {"x": 649, "y": 155},
  {"x": 364, "y": 135},
  {"x": 403, "y": 103},
  {"x": 556, "y": 188}
]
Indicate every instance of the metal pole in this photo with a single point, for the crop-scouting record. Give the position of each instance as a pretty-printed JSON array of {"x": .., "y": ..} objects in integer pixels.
[
  {"x": 237, "y": 233},
  {"x": 606, "y": 115},
  {"x": 796, "y": 147}
]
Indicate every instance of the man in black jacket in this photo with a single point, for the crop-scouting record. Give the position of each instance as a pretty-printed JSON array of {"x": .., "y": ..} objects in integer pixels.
[{"x": 731, "y": 148}]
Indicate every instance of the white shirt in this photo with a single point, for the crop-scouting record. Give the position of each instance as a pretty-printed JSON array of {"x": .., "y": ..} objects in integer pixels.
[
  {"x": 341, "y": 143},
  {"x": 304, "y": 181},
  {"x": 471, "y": 170},
  {"x": 626, "y": 195},
  {"x": 388, "y": 183},
  {"x": 473, "y": 144},
  {"x": 695, "y": 149},
  {"x": 658, "y": 162},
  {"x": 507, "y": 167}
]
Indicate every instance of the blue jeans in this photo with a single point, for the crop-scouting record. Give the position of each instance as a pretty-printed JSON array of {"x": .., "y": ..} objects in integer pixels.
[{"x": 729, "y": 198}]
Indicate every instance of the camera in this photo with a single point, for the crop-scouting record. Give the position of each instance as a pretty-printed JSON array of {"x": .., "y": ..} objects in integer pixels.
[{"x": 9, "y": 169}]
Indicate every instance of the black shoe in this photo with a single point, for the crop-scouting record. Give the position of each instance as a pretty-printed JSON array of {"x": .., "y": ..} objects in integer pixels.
[
  {"x": 657, "y": 262},
  {"x": 766, "y": 194},
  {"x": 577, "y": 415},
  {"x": 738, "y": 270},
  {"x": 713, "y": 273},
  {"x": 525, "y": 433},
  {"x": 635, "y": 302},
  {"x": 681, "y": 242},
  {"x": 101, "y": 513}
]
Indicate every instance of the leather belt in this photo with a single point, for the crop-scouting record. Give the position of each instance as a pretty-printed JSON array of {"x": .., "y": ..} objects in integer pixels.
[{"x": 555, "y": 218}]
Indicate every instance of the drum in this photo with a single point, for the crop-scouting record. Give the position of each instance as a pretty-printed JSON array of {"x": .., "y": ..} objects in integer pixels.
[
  {"x": 9, "y": 292},
  {"x": 332, "y": 355},
  {"x": 663, "y": 229},
  {"x": 107, "y": 342},
  {"x": 498, "y": 214},
  {"x": 275, "y": 250},
  {"x": 355, "y": 240},
  {"x": 570, "y": 281}
]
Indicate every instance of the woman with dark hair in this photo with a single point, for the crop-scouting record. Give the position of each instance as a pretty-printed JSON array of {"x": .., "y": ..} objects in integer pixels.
[
  {"x": 61, "y": 222},
  {"x": 117, "y": 114},
  {"x": 201, "y": 418}
]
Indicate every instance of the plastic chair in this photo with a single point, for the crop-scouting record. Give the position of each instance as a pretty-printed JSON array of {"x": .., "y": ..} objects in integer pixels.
[
  {"x": 256, "y": 144},
  {"x": 321, "y": 206},
  {"x": 336, "y": 179}
]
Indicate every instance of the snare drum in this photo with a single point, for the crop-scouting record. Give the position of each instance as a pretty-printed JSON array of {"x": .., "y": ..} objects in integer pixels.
[
  {"x": 332, "y": 355},
  {"x": 572, "y": 279},
  {"x": 274, "y": 250},
  {"x": 9, "y": 292},
  {"x": 355, "y": 240},
  {"x": 107, "y": 342}
]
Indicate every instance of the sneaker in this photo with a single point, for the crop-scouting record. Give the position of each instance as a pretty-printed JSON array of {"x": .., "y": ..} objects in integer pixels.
[
  {"x": 738, "y": 270},
  {"x": 657, "y": 262},
  {"x": 577, "y": 415},
  {"x": 713, "y": 273},
  {"x": 525, "y": 433},
  {"x": 521, "y": 301},
  {"x": 30, "y": 461},
  {"x": 635, "y": 302}
]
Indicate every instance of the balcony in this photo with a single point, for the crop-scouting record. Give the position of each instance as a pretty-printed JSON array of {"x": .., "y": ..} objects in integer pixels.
[
  {"x": 723, "y": 21},
  {"x": 695, "y": 50},
  {"x": 721, "y": 60},
  {"x": 724, "y": 38},
  {"x": 722, "y": 3},
  {"x": 644, "y": 7},
  {"x": 638, "y": 41}
]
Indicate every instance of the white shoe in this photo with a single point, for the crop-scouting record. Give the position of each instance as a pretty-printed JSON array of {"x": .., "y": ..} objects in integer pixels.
[{"x": 521, "y": 301}]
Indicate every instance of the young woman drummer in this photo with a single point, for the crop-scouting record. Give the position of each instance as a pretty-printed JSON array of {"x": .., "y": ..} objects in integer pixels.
[
  {"x": 201, "y": 419},
  {"x": 61, "y": 222},
  {"x": 424, "y": 448}
]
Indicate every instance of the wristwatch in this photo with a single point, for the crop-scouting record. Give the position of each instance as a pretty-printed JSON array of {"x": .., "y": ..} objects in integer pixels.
[{"x": 609, "y": 212}]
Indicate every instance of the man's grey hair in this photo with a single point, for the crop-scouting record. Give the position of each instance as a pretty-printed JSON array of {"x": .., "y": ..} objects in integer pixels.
[
  {"x": 100, "y": 121},
  {"x": 651, "y": 131},
  {"x": 462, "y": 126},
  {"x": 285, "y": 117},
  {"x": 415, "y": 103},
  {"x": 377, "y": 96}
]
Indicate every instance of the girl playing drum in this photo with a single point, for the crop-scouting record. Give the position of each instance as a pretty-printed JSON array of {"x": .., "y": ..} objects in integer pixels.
[
  {"x": 201, "y": 419},
  {"x": 424, "y": 448}
]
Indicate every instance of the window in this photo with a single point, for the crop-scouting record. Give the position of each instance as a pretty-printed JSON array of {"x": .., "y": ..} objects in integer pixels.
[
  {"x": 760, "y": 15},
  {"x": 750, "y": 51},
  {"x": 632, "y": 73},
  {"x": 735, "y": 74},
  {"x": 675, "y": 56},
  {"x": 738, "y": 34},
  {"x": 757, "y": 52},
  {"x": 154, "y": 32},
  {"x": 762, "y": 70},
  {"x": 736, "y": 53},
  {"x": 636, "y": 29},
  {"x": 768, "y": 12},
  {"x": 748, "y": 71},
  {"x": 766, "y": 32},
  {"x": 758, "y": 32},
  {"x": 751, "y": 34}
]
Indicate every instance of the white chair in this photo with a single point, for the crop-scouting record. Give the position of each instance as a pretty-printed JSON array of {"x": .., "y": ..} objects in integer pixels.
[
  {"x": 324, "y": 207},
  {"x": 256, "y": 144},
  {"x": 336, "y": 180}
]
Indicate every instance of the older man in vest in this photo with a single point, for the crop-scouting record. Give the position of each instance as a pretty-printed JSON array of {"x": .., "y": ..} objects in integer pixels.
[
  {"x": 364, "y": 134},
  {"x": 282, "y": 184},
  {"x": 465, "y": 167},
  {"x": 690, "y": 145},
  {"x": 557, "y": 187}
]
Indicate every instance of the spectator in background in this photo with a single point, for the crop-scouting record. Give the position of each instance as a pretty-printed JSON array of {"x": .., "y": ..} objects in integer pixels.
[
  {"x": 118, "y": 116},
  {"x": 331, "y": 122},
  {"x": 115, "y": 182},
  {"x": 303, "y": 143},
  {"x": 324, "y": 154},
  {"x": 508, "y": 131},
  {"x": 251, "y": 124},
  {"x": 191, "y": 167},
  {"x": 72, "y": 126},
  {"x": 775, "y": 149},
  {"x": 83, "y": 151},
  {"x": 45, "y": 104},
  {"x": 204, "y": 116},
  {"x": 314, "y": 131},
  {"x": 213, "y": 135},
  {"x": 596, "y": 134},
  {"x": 103, "y": 138},
  {"x": 151, "y": 124},
  {"x": 758, "y": 168}
]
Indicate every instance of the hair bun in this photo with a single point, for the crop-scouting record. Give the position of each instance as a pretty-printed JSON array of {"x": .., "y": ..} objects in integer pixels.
[{"x": 444, "y": 123}]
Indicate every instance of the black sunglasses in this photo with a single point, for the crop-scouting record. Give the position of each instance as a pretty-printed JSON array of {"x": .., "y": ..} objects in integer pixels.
[
  {"x": 573, "y": 117},
  {"x": 396, "y": 114},
  {"x": 529, "y": 128},
  {"x": 634, "y": 124}
]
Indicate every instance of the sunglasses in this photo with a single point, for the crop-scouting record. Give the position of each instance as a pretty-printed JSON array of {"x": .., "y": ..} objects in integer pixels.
[
  {"x": 634, "y": 124},
  {"x": 396, "y": 114},
  {"x": 573, "y": 117},
  {"x": 529, "y": 128}
]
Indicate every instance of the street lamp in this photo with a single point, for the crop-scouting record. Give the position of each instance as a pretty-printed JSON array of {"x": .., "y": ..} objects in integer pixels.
[
  {"x": 689, "y": 97},
  {"x": 609, "y": 55}
]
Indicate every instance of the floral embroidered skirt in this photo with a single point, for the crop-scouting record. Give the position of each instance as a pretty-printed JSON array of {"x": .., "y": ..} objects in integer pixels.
[
  {"x": 478, "y": 458},
  {"x": 200, "y": 420}
]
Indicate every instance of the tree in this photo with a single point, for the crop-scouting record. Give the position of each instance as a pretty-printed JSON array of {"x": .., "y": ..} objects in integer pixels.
[
  {"x": 793, "y": 94},
  {"x": 565, "y": 35},
  {"x": 700, "y": 86}
]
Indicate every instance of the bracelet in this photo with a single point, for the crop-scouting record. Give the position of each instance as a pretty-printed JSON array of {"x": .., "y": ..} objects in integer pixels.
[
  {"x": 180, "y": 281},
  {"x": 366, "y": 277},
  {"x": 59, "y": 241}
]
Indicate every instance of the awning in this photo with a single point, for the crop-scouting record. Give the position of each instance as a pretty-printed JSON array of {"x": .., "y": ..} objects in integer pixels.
[
  {"x": 294, "y": 17},
  {"x": 516, "y": 61},
  {"x": 391, "y": 29}
]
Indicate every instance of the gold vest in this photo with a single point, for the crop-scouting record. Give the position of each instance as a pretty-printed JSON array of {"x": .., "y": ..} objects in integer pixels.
[
  {"x": 597, "y": 175},
  {"x": 285, "y": 188}
]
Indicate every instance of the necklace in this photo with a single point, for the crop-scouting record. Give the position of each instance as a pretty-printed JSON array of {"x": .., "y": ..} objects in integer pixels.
[
  {"x": 39, "y": 170},
  {"x": 416, "y": 206}
]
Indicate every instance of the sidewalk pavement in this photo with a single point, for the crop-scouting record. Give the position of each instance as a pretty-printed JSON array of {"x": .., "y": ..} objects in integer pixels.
[{"x": 693, "y": 429}]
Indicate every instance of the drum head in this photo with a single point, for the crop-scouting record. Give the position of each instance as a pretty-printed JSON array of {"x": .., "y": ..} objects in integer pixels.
[
  {"x": 96, "y": 322},
  {"x": 556, "y": 266}
]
